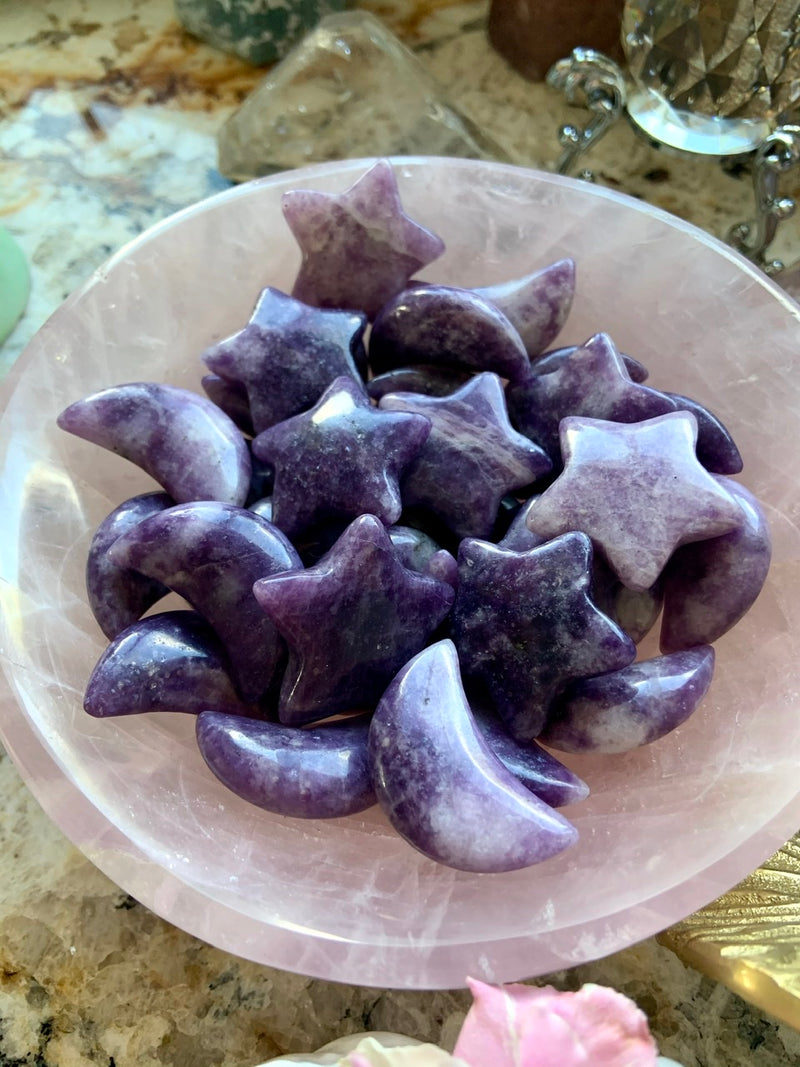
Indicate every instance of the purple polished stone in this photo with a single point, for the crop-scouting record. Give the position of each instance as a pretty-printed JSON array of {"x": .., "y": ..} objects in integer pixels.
[
  {"x": 262, "y": 480},
  {"x": 414, "y": 547},
  {"x": 211, "y": 554},
  {"x": 439, "y": 324},
  {"x": 591, "y": 380},
  {"x": 168, "y": 662},
  {"x": 716, "y": 449},
  {"x": 288, "y": 355},
  {"x": 119, "y": 596},
  {"x": 709, "y": 585},
  {"x": 638, "y": 490},
  {"x": 262, "y": 508},
  {"x": 472, "y": 458},
  {"x": 537, "y": 305},
  {"x": 440, "y": 785},
  {"x": 550, "y": 361},
  {"x": 524, "y": 625},
  {"x": 427, "y": 380},
  {"x": 519, "y": 537},
  {"x": 532, "y": 765},
  {"x": 350, "y": 622},
  {"x": 181, "y": 439},
  {"x": 318, "y": 773},
  {"x": 634, "y": 612},
  {"x": 359, "y": 247},
  {"x": 631, "y": 707},
  {"x": 341, "y": 459},
  {"x": 231, "y": 397},
  {"x": 444, "y": 566}
]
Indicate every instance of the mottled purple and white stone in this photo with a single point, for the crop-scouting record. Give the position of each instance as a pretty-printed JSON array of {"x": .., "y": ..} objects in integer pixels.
[
  {"x": 519, "y": 537},
  {"x": 716, "y": 449},
  {"x": 439, "y": 324},
  {"x": 183, "y": 440},
  {"x": 710, "y": 585},
  {"x": 340, "y": 459},
  {"x": 212, "y": 554},
  {"x": 632, "y": 707},
  {"x": 440, "y": 785},
  {"x": 472, "y": 458},
  {"x": 231, "y": 397},
  {"x": 118, "y": 596},
  {"x": 525, "y": 625},
  {"x": 262, "y": 480},
  {"x": 427, "y": 380},
  {"x": 359, "y": 247},
  {"x": 419, "y": 552},
  {"x": 317, "y": 773},
  {"x": 637, "y": 490},
  {"x": 550, "y": 361},
  {"x": 531, "y": 764},
  {"x": 538, "y": 304},
  {"x": 350, "y": 623},
  {"x": 591, "y": 380},
  {"x": 636, "y": 612},
  {"x": 172, "y": 661},
  {"x": 288, "y": 354}
]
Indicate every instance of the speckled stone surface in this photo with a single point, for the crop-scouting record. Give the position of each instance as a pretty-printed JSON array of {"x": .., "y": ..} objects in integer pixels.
[{"x": 107, "y": 124}]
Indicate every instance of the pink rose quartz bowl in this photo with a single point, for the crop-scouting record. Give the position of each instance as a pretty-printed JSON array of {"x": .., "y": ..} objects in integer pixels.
[{"x": 667, "y": 827}]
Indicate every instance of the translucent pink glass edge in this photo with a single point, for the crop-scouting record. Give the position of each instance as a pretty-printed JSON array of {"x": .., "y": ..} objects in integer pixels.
[
  {"x": 443, "y": 966},
  {"x": 438, "y": 967}
]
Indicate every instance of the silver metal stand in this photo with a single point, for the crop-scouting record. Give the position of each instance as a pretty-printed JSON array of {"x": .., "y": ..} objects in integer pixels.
[{"x": 591, "y": 80}]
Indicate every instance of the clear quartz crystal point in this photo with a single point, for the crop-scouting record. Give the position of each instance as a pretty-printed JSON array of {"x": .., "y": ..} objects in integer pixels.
[
  {"x": 712, "y": 76},
  {"x": 350, "y": 88}
]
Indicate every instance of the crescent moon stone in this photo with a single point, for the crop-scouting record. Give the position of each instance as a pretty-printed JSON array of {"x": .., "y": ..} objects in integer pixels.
[
  {"x": 183, "y": 440},
  {"x": 537, "y": 304},
  {"x": 533, "y": 765},
  {"x": 167, "y": 662},
  {"x": 212, "y": 554},
  {"x": 439, "y": 324},
  {"x": 118, "y": 596},
  {"x": 626, "y": 709},
  {"x": 709, "y": 585},
  {"x": 440, "y": 785},
  {"x": 318, "y": 773}
]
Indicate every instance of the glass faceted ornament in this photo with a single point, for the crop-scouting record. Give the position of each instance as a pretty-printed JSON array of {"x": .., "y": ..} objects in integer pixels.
[{"x": 712, "y": 76}]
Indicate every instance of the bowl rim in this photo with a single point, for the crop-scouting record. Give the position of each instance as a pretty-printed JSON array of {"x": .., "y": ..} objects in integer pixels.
[{"x": 175, "y": 898}]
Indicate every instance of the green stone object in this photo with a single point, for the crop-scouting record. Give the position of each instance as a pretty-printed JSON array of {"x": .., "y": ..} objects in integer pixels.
[
  {"x": 15, "y": 283},
  {"x": 259, "y": 31}
]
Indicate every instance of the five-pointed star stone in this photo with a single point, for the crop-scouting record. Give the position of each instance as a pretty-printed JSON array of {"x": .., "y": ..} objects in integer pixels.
[
  {"x": 288, "y": 354},
  {"x": 524, "y": 625},
  {"x": 359, "y": 247},
  {"x": 472, "y": 458},
  {"x": 593, "y": 381},
  {"x": 340, "y": 459},
  {"x": 638, "y": 490},
  {"x": 351, "y": 622}
]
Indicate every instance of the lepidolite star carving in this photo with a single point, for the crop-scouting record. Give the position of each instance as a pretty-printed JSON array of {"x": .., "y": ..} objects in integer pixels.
[
  {"x": 593, "y": 381},
  {"x": 288, "y": 354},
  {"x": 472, "y": 458},
  {"x": 637, "y": 490},
  {"x": 524, "y": 625},
  {"x": 359, "y": 247},
  {"x": 350, "y": 623},
  {"x": 340, "y": 459}
]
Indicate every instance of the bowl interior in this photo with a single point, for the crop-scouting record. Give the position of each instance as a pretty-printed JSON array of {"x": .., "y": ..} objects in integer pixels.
[{"x": 666, "y": 828}]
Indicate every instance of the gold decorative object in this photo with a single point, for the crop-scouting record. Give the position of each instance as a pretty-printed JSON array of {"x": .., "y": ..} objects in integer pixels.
[{"x": 750, "y": 937}]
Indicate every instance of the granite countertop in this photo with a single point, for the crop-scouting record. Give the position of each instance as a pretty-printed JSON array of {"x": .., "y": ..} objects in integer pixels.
[{"x": 108, "y": 116}]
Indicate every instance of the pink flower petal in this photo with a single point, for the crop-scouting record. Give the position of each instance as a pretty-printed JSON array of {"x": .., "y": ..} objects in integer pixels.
[{"x": 528, "y": 1026}]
